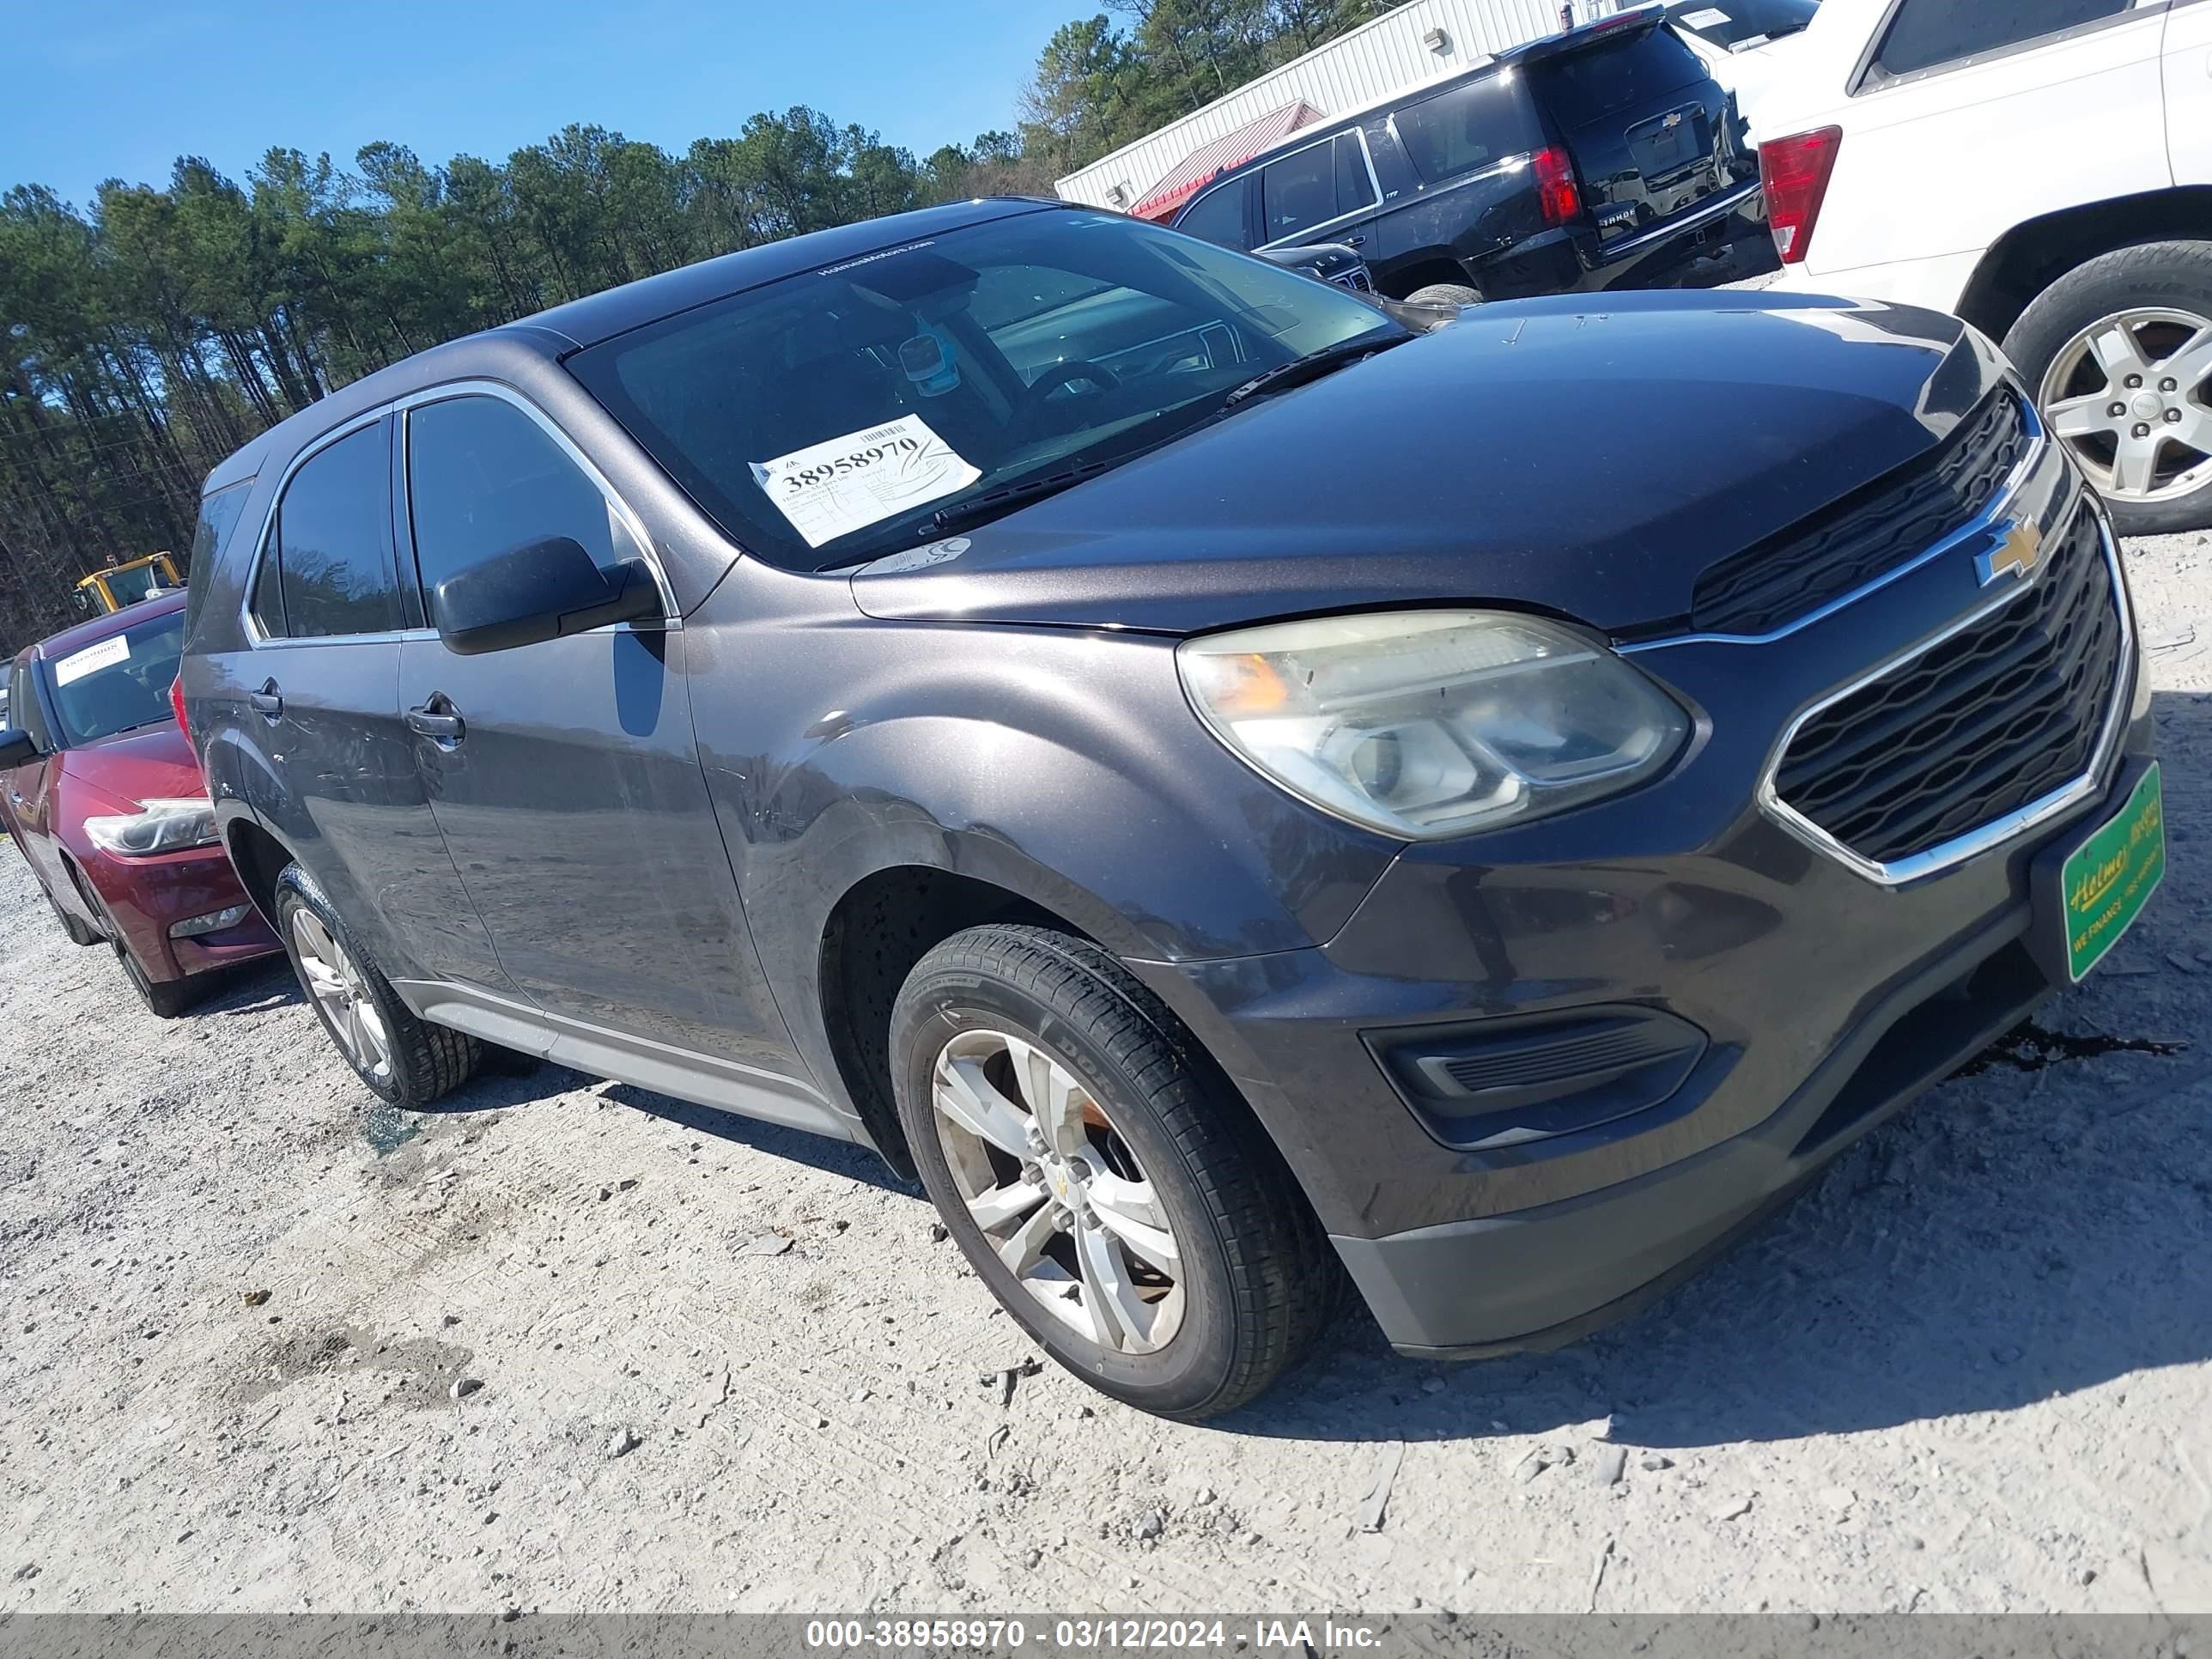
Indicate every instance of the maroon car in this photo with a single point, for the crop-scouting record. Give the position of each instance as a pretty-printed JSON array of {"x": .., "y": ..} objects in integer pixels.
[{"x": 98, "y": 788}]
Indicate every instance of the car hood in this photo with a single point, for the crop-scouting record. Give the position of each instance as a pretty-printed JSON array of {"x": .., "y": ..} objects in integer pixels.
[
  {"x": 154, "y": 763},
  {"x": 1583, "y": 457}
]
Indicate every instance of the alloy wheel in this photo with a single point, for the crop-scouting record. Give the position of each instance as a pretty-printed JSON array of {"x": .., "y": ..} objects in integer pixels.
[
  {"x": 2131, "y": 396},
  {"x": 342, "y": 995},
  {"x": 1058, "y": 1193}
]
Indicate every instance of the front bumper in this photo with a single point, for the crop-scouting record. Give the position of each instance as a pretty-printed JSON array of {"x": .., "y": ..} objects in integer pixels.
[
  {"x": 144, "y": 898},
  {"x": 1825, "y": 1000}
]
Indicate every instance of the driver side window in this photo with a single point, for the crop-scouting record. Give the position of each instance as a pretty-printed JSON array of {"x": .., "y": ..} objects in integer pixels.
[
  {"x": 23, "y": 704},
  {"x": 1218, "y": 217},
  {"x": 484, "y": 478}
]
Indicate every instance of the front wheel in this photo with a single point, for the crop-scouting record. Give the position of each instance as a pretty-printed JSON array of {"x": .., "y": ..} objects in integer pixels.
[
  {"x": 1102, "y": 1176},
  {"x": 80, "y": 930},
  {"x": 2119, "y": 350},
  {"x": 165, "y": 999},
  {"x": 404, "y": 1060}
]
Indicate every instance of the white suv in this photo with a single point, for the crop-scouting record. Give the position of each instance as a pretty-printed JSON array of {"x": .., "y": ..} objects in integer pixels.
[{"x": 2043, "y": 169}]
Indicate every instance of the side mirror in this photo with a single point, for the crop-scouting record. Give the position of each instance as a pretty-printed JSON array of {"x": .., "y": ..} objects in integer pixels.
[
  {"x": 542, "y": 589},
  {"x": 16, "y": 748}
]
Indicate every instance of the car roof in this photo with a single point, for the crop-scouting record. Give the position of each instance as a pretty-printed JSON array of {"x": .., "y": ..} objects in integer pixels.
[
  {"x": 1636, "y": 20},
  {"x": 1343, "y": 121},
  {"x": 569, "y": 328},
  {"x": 96, "y": 628}
]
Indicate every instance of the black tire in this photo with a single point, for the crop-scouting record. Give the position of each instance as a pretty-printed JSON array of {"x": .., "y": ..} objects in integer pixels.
[
  {"x": 2153, "y": 274},
  {"x": 428, "y": 1061},
  {"x": 1260, "y": 1280},
  {"x": 1445, "y": 293},
  {"x": 164, "y": 998},
  {"x": 80, "y": 930}
]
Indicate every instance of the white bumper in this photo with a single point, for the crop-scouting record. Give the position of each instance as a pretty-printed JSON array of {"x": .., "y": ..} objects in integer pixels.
[{"x": 1937, "y": 284}]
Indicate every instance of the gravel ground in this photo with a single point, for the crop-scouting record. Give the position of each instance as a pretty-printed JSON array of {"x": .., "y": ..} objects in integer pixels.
[{"x": 567, "y": 1344}]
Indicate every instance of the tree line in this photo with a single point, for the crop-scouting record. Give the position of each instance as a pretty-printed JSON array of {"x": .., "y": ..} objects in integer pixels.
[{"x": 150, "y": 332}]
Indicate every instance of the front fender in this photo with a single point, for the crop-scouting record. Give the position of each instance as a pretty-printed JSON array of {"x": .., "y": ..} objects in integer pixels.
[{"x": 1063, "y": 766}]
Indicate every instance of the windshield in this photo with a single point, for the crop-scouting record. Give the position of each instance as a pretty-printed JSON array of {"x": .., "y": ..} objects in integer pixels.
[
  {"x": 829, "y": 418},
  {"x": 1742, "y": 22},
  {"x": 129, "y": 587},
  {"x": 117, "y": 683}
]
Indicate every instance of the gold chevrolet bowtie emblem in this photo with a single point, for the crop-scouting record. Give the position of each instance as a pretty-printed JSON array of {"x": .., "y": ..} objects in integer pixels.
[{"x": 2018, "y": 554}]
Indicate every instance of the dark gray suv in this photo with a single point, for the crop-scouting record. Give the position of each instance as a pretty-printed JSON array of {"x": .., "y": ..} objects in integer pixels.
[{"x": 1225, "y": 789}]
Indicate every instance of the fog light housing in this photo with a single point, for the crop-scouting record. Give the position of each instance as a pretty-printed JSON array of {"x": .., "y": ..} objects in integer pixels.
[
  {"x": 1507, "y": 1082},
  {"x": 214, "y": 922}
]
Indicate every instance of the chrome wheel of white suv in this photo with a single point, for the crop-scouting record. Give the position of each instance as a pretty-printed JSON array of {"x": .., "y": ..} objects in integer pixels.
[
  {"x": 2128, "y": 394},
  {"x": 2119, "y": 352}
]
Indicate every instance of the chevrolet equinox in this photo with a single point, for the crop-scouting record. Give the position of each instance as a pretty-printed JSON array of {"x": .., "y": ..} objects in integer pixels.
[{"x": 1241, "y": 797}]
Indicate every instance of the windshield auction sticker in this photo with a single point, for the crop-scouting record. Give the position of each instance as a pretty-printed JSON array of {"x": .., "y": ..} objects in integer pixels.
[
  {"x": 114, "y": 649},
  {"x": 832, "y": 489}
]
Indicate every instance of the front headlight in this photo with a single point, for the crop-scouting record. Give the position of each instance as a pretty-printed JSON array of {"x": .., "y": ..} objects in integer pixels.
[
  {"x": 1428, "y": 724},
  {"x": 160, "y": 826}
]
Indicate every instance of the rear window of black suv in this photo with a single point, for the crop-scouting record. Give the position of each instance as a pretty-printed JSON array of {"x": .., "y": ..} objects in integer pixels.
[
  {"x": 1588, "y": 84},
  {"x": 1469, "y": 126}
]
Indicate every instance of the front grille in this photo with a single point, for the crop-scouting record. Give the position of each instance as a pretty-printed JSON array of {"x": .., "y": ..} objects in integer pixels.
[
  {"x": 1872, "y": 530},
  {"x": 1356, "y": 279},
  {"x": 2000, "y": 714}
]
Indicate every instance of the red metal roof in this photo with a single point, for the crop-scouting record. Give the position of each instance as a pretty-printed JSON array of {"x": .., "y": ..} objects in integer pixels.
[{"x": 1231, "y": 150}]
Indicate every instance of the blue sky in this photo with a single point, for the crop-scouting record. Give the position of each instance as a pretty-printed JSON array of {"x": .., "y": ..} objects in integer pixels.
[{"x": 101, "y": 88}]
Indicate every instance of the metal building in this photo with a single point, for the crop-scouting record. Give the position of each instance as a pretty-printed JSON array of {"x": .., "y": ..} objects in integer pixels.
[{"x": 1420, "y": 40}]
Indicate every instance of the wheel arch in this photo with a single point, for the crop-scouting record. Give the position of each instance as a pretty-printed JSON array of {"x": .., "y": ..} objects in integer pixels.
[
  {"x": 259, "y": 858},
  {"x": 2036, "y": 253},
  {"x": 1433, "y": 266},
  {"x": 877, "y": 929}
]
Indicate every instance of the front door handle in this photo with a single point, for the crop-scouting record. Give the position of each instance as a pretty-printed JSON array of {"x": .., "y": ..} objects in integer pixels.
[
  {"x": 1355, "y": 242},
  {"x": 266, "y": 700},
  {"x": 438, "y": 719}
]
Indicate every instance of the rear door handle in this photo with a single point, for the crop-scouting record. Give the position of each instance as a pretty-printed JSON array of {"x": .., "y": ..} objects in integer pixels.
[
  {"x": 266, "y": 700},
  {"x": 438, "y": 719},
  {"x": 1355, "y": 242}
]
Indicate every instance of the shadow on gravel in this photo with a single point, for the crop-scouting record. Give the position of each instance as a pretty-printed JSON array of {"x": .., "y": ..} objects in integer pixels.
[
  {"x": 255, "y": 988},
  {"x": 2040, "y": 1223},
  {"x": 836, "y": 1157}
]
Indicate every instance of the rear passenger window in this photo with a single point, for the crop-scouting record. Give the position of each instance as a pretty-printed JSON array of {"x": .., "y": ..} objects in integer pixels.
[
  {"x": 22, "y": 705},
  {"x": 484, "y": 478},
  {"x": 1929, "y": 33},
  {"x": 1297, "y": 191},
  {"x": 218, "y": 516},
  {"x": 328, "y": 567},
  {"x": 1218, "y": 217},
  {"x": 1468, "y": 127},
  {"x": 1355, "y": 185},
  {"x": 1314, "y": 186}
]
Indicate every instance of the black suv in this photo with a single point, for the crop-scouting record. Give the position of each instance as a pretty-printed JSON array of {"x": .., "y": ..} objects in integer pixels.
[
  {"x": 1603, "y": 157},
  {"x": 1189, "y": 767}
]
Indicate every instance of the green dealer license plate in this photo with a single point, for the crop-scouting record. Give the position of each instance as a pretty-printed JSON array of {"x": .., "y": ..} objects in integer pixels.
[{"x": 2105, "y": 880}]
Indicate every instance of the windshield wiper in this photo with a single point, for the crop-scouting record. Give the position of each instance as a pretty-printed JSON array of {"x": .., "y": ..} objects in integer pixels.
[
  {"x": 992, "y": 503},
  {"x": 1311, "y": 366}
]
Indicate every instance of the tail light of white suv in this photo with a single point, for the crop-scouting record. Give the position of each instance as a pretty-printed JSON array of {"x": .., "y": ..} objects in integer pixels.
[{"x": 1795, "y": 172}]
